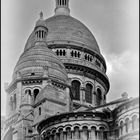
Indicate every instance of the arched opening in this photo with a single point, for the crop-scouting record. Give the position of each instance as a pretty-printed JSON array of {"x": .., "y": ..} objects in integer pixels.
[
  {"x": 121, "y": 128},
  {"x": 127, "y": 125},
  {"x": 36, "y": 91},
  {"x": 85, "y": 133},
  {"x": 135, "y": 122},
  {"x": 101, "y": 133},
  {"x": 72, "y": 53},
  {"x": 11, "y": 103},
  {"x": 76, "y": 89},
  {"x": 76, "y": 132},
  {"x": 88, "y": 93},
  {"x": 99, "y": 97},
  {"x": 68, "y": 131},
  {"x": 28, "y": 96}
]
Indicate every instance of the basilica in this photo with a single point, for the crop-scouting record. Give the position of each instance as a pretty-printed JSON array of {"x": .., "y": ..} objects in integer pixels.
[{"x": 59, "y": 87}]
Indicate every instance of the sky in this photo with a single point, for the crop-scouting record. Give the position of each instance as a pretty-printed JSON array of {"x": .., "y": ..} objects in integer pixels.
[{"x": 114, "y": 23}]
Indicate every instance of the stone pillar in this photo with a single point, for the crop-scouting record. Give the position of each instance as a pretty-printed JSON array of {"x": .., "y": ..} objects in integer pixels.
[
  {"x": 98, "y": 135},
  {"x": 93, "y": 134},
  {"x": 19, "y": 94},
  {"x": 68, "y": 99},
  {"x": 65, "y": 136},
  {"x": 101, "y": 135},
  {"x": 57, "y": 136},
  {"x": 61, "y": 135},
  {"x": 68, "y": 135},
  {"x": 85, "y": 135},
  {"x": 82, "y": 95},
  {"x": 124, "y": 130},
  {"x": 76, "y": 136},
  {"x": 81, "y": 135},
  {"x": 68, "y": 52}
]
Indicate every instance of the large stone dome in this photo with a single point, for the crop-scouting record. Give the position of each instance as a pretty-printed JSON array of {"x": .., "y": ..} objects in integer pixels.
[
  {"x": 39, "y": 60},
  {"x": 64, "y": 29}
]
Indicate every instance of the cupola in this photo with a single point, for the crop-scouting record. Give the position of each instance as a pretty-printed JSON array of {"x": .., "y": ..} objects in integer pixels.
[
  {"x": 41, "y": 30},
  {"x": 62, "y": 7}
]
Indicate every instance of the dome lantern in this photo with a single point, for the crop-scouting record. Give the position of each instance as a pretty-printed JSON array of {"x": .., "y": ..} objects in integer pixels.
[
  {"x": 62, "y": 7},
  {"x": 41, "y": 29}
]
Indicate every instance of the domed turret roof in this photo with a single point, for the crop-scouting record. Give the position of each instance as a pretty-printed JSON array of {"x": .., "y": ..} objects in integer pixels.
[
  {"x": 64, "y": 29},
  {"x": 37, "y": 59}
]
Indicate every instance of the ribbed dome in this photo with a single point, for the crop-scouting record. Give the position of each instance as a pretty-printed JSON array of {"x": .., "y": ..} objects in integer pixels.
[
  {"x": 66, "y": 28},
  {"x": 37, "y": 59}
]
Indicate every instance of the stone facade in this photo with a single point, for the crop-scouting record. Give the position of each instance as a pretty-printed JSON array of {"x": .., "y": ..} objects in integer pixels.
[{"x": 59, "y": 87}]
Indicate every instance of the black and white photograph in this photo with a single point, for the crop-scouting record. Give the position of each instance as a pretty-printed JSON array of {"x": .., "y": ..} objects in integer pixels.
[{"x": 70, "y": 69}]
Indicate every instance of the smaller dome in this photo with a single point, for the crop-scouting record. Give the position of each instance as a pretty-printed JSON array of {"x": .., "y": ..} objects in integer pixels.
[
  {"x": 40, "y": 60},
  {"x": 41, "y": 22}
]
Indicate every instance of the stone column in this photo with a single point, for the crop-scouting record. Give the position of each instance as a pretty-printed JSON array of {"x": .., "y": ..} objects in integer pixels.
[
  {"x": 61, "y": 135},
  {"x": 57, "y": 136},
  {"x": 19, "y": 94},
  {"x": 93, "y": 134},
  {"x": 124, "y": 129},
  {"x": 98, "y": 135},
  {"x": 68, "y": 52},
  {"x": 82, "y": 95},
  {"x": 68, "y": 134},
  {"x": 81, "y": 135},
  {"x": 65, "y": 135},
  {"x": 76, "y": 136},
  {"x": 85, "y": 135}
]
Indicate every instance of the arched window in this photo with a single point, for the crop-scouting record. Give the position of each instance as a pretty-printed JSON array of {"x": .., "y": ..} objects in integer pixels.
[
  {"x": 121, "y": 128},
  {"x": 60, "y": 52},
  {"x": 135, "y": 122},
  {"x": 64, "y": 52},
  {"x": 88, "y": 93},
  {"x": 99, "y": 96},
  {"x": 76, "y": 133},
  {"x": 76, "y": 89},
  {"x": 15, "y": 101},
  {"x": 72, "y": 53},
  {"x": 28, "y": 96},
  {"x": 127, "y": 125},
  {"x": 85, "y": 56},
  {"x": 36, "y": 91},
  {"x": 101, "y": 132},
  {"x": 11, "y": 103},
  {"x": 68, "y": 130},
  {"x": 85, "y": 133}
]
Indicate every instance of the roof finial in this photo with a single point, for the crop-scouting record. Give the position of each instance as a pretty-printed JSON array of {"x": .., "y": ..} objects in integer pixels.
[{"x": 41, "y": 15}]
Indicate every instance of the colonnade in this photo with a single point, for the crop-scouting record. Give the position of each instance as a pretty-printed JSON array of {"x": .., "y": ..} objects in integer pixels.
[{"x": 76, "y": 134}]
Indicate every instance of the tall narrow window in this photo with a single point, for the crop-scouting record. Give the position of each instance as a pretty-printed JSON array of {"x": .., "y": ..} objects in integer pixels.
[
  {"x": 15, "y": 101},
  {"x": 76, "y": 89},
  {"x": 98, "y": 97},
  {"x": 121, "y": 128},
  {"x": 127, "y": 124},
  {"x": 88, "y": 93},
  {"x": 39, "y": 111},
  {"x": 36, "y": 91}
]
